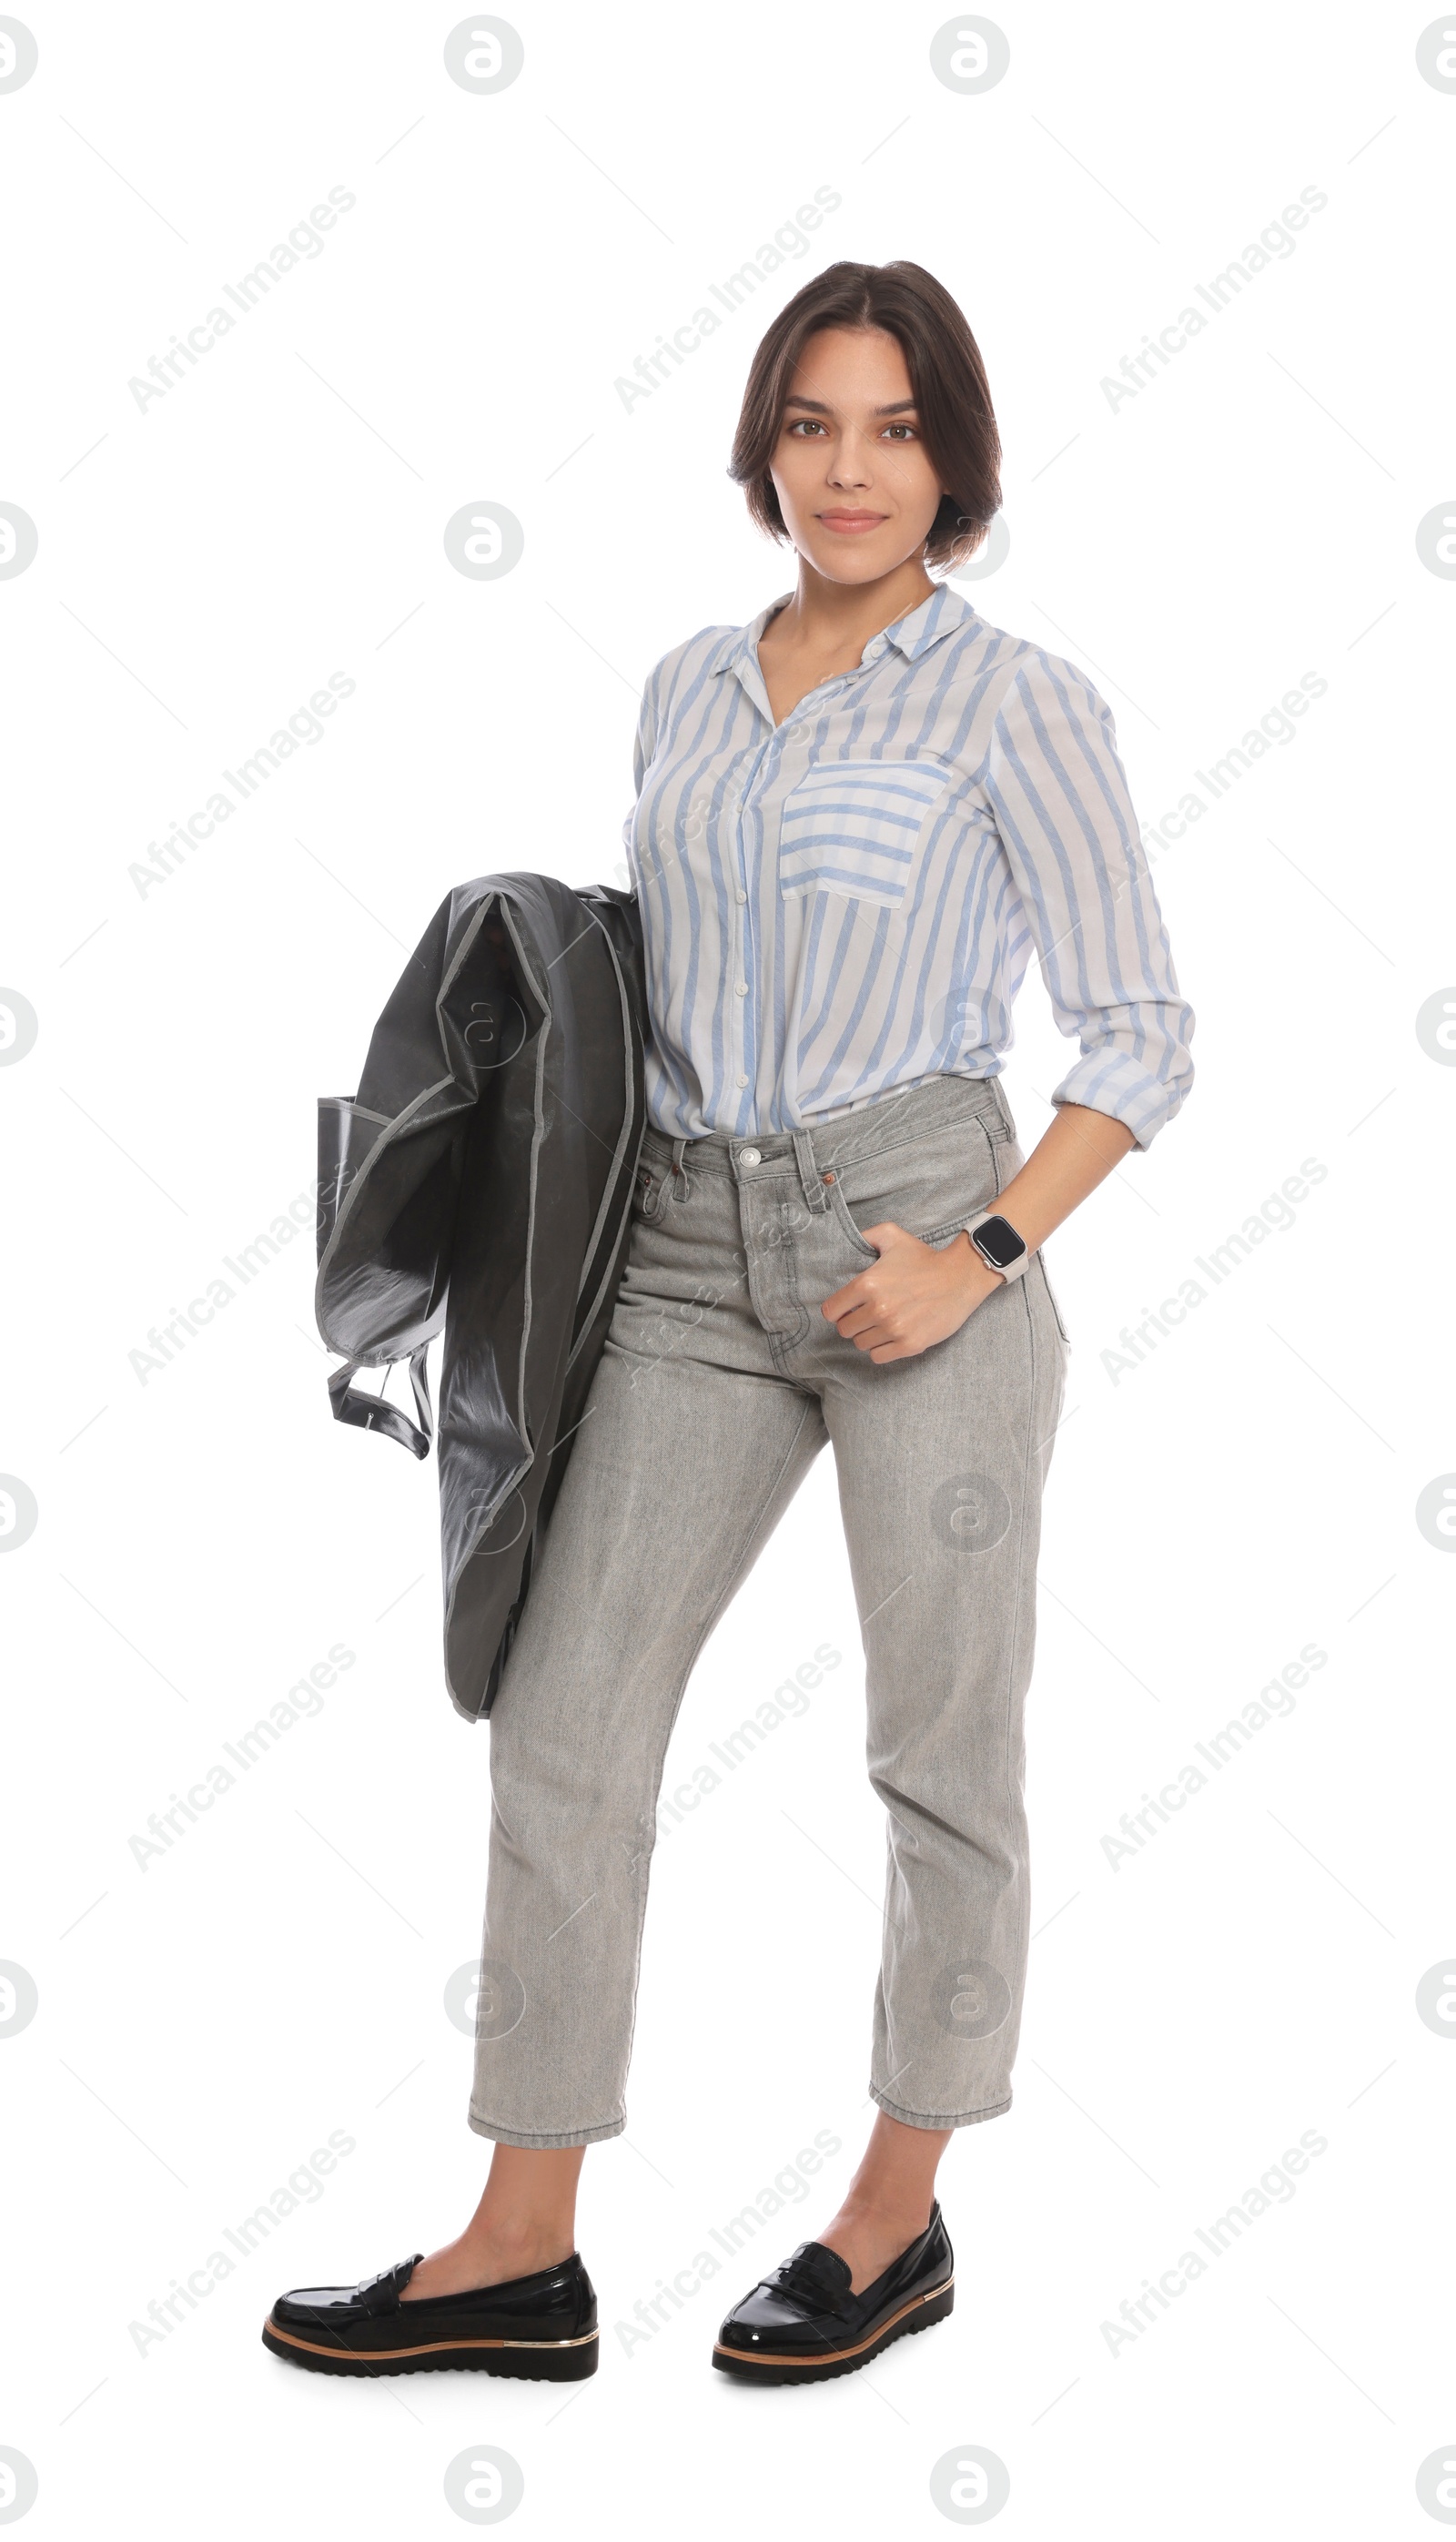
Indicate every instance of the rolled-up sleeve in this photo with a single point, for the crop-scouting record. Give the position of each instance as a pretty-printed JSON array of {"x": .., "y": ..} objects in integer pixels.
[{"x": 1058, "y": 794}]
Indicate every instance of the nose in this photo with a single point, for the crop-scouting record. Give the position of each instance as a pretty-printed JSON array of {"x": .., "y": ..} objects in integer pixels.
[{"x": 851, "y": 464}]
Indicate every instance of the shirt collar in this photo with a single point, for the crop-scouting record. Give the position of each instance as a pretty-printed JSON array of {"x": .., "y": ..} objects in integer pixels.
[
  {"x": 940, "y": 615},
  {"x": 740, "y": 651}
]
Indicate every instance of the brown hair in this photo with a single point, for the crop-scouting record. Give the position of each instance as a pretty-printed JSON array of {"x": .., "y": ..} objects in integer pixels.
[{"x": 947, "y": 376}]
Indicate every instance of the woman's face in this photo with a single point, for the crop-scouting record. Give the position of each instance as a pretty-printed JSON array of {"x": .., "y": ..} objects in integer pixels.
[{"x": 854, "y": 483}]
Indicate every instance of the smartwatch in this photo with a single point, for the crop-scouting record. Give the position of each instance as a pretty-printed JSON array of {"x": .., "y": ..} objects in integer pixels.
[{"x": 997, "y": 1242}]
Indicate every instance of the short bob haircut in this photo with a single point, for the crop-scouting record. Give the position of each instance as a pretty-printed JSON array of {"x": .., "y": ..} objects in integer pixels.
[{"x": 947, "y": 376}]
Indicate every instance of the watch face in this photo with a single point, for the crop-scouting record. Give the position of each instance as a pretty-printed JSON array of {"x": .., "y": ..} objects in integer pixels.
[{"x": 999, "y": 1242}]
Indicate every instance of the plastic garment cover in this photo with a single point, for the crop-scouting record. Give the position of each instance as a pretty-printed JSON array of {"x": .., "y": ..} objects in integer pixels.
[{"x": 478, "y": 1186}]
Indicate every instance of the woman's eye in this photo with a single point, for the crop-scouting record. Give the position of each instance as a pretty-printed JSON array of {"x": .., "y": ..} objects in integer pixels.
[{"x": 907, "y": 429}]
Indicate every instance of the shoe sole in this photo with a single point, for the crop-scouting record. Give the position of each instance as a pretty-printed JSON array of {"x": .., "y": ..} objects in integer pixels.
[
  {"x": 536, "y": 2360},
  {"x": 779, "y": 2365}
]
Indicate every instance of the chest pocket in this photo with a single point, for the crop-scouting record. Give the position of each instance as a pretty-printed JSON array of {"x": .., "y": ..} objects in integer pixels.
[{"x": 850, "y": 826}]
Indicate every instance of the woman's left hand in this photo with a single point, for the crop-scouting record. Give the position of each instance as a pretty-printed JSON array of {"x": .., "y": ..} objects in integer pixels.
[{"x": 914, "y": 1295}]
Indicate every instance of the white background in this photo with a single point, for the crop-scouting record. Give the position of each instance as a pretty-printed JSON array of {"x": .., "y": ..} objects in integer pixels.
[{"x": 204, "y": 1537}]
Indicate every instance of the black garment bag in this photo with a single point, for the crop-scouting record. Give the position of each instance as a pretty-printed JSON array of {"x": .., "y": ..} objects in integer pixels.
[{"x": 478, "y": 1186}]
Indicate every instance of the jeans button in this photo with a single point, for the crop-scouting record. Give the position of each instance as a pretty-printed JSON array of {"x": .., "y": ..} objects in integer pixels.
[{"x": 750, "y": 1156}]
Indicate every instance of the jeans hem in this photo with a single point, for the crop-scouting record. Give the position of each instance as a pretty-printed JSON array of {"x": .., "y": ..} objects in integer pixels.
[
  {"x": 916, "y": 2119},
  {"x": 540, "y": 2139}
]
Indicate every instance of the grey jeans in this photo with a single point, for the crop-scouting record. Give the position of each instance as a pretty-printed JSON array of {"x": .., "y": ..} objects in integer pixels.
[{"x": 719, "y": 1383}]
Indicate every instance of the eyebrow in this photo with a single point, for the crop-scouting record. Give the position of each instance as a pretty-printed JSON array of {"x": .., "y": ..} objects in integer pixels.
[{"x": 899, "y": 407}]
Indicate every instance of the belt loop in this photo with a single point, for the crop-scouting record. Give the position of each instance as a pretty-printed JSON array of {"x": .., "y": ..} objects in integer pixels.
[
  {"x": 680, "y": 1171},
  {"x": 816, "y": 1192}
]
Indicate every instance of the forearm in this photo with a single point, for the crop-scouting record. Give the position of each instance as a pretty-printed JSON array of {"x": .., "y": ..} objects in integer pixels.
[
  {"x": 916, "y": 1295},
  {"x": 1076, "y": 1153}
]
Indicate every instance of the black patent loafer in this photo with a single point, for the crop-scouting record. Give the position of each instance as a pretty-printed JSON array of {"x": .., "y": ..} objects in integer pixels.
[
  {"x": 801, "y": 2323},
  {"x": 543, "y": 2327}
]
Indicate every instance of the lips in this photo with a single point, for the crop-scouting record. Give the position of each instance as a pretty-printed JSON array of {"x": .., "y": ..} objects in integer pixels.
[{"x": 853, "y": 521}]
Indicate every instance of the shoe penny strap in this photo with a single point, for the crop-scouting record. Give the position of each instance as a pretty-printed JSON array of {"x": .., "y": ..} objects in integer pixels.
[
  {"x": 381, "y": 2294},
  {"x": 815, "y": 2277}
]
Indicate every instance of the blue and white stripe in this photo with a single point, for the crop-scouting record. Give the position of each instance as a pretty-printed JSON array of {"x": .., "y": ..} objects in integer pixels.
[{"x": 844, "y": 905}]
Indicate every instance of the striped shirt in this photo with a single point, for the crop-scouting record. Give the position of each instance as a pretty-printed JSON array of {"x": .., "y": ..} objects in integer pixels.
[{"x": 840, "y": 905}]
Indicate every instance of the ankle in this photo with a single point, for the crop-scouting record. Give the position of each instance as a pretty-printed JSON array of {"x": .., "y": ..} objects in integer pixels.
[
  {"x": 879, "y": 2209},
  {"x": 533, "y": 2239}
]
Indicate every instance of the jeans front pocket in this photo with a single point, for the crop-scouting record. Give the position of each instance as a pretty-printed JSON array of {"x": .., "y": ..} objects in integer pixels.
[
  {"x": 651, "y": 1188},
  {"x": 850, "y": 827},
  {"x": 928, "y": 1185},
  {"x": 839, "y": 1213}
]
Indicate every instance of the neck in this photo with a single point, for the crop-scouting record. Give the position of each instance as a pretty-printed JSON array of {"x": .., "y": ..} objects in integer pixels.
[{"x": 828, "y": 616}]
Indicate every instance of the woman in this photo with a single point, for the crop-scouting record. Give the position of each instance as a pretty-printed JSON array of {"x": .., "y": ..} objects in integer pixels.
[{"x": 855, "y": 817}]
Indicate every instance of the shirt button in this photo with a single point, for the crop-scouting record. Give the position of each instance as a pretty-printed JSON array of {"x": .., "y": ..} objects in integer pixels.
[
  {"x": 740, "y": 988},
  {"x": 750, "y": 1156},
  {"x": 740, "y": 898},
  {"x": 743, "y": 1080}
]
